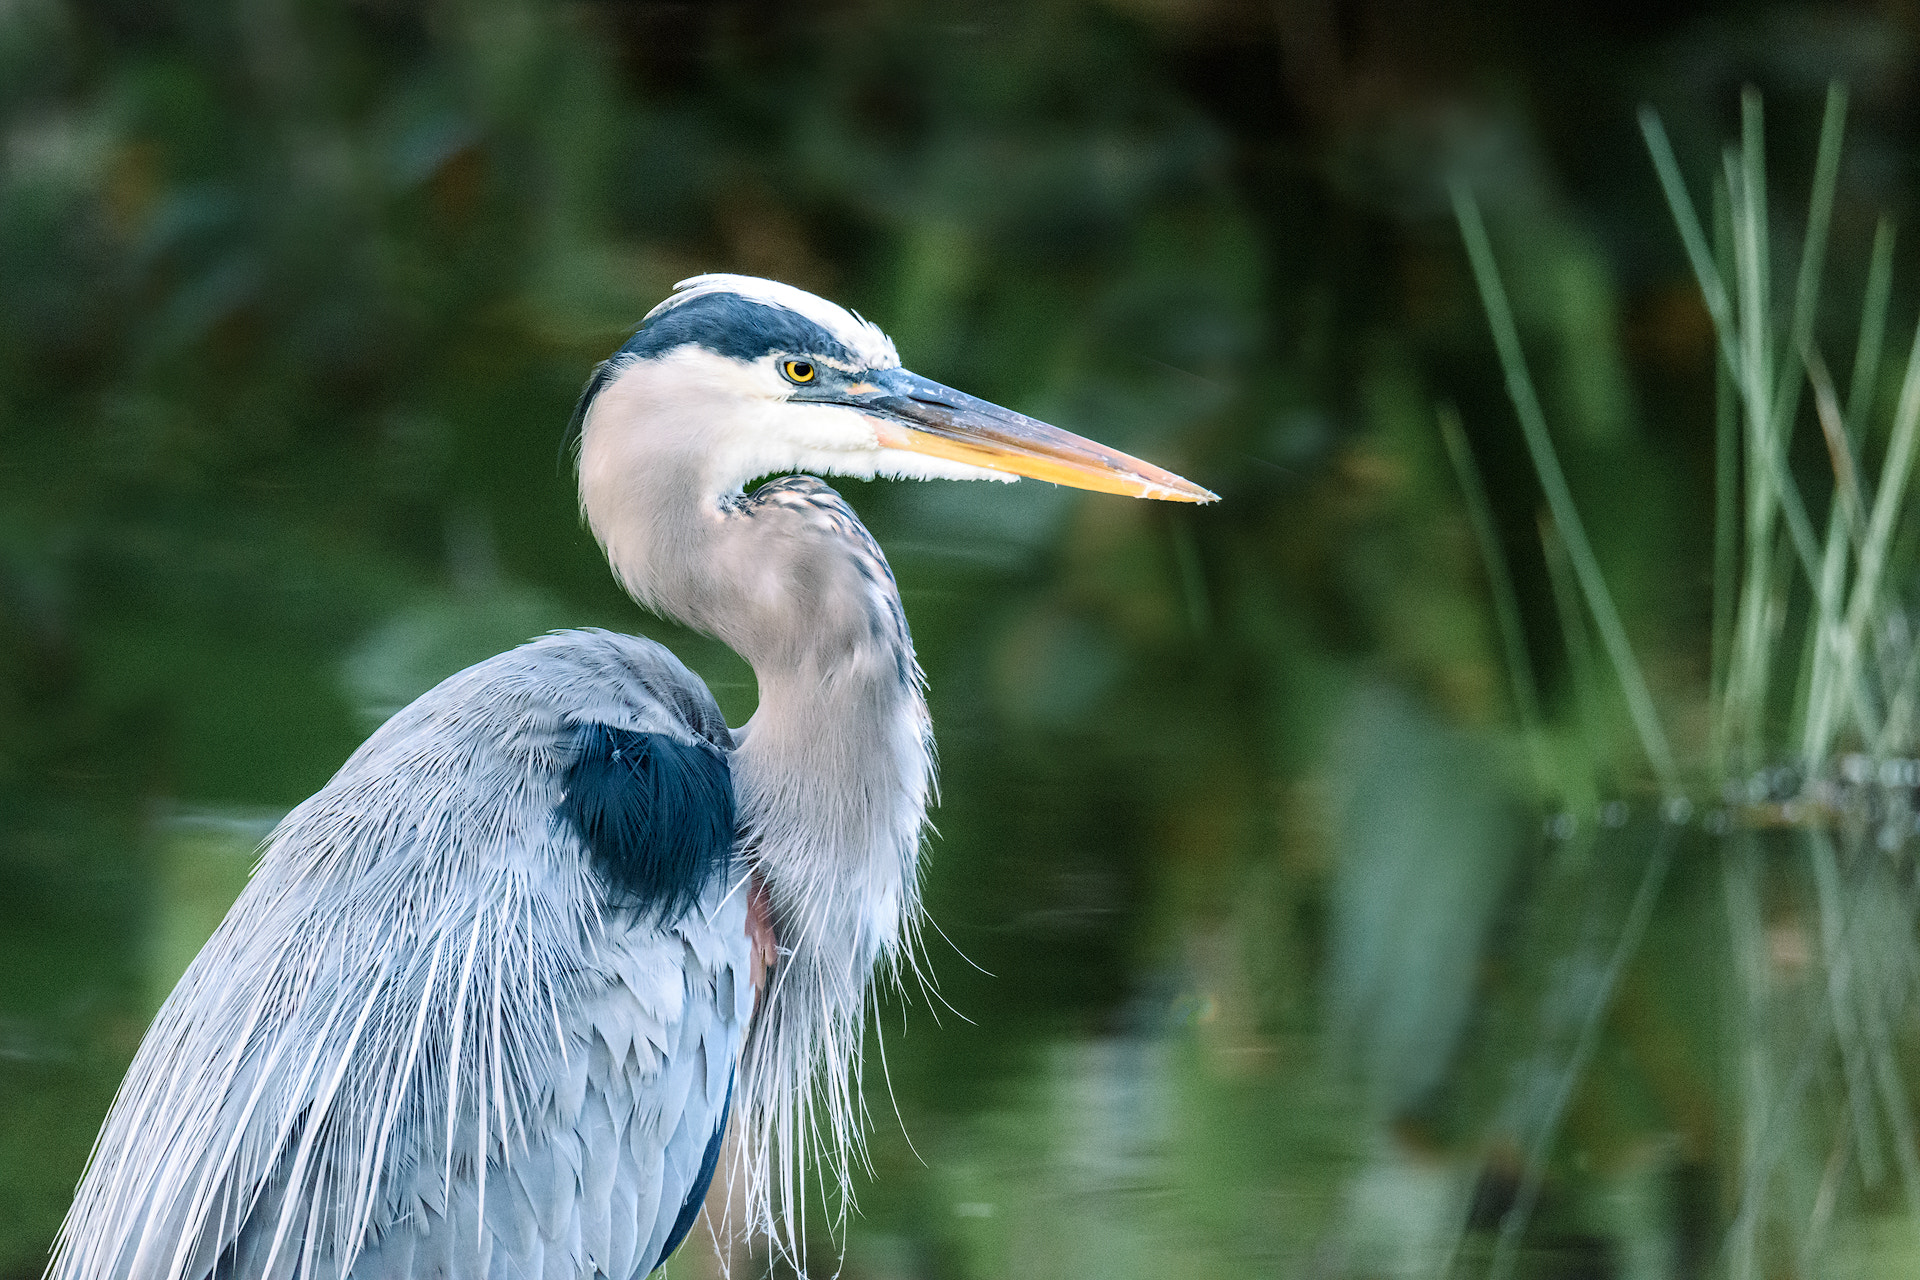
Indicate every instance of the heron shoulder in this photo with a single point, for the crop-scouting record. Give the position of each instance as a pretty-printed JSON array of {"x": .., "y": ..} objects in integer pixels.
[
  {"x": 618, "y": 678},
  {"x": 346, "y": 1040},
  {"x": 655, "y": 813},
  {"x": 609, "y": 734}
]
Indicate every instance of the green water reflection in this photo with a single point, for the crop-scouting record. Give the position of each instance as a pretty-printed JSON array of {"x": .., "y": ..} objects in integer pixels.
[{"x": 1266, "y": 949}]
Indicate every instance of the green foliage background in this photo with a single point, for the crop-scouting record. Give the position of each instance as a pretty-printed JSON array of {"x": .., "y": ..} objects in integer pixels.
[{"x": 1292, "y": 959}]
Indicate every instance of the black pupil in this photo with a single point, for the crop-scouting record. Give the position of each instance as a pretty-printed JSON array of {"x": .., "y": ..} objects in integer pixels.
[{"x": 800, "y": 369}]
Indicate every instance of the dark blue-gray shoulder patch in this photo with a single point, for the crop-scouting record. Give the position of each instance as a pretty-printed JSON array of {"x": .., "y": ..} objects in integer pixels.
[
  {"x": 656, "y": 815},
  {"x": 697, "y": 1193},
  {"x": 724, "y": 323}
]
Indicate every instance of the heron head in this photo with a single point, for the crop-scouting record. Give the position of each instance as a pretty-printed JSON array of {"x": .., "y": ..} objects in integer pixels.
[{"x": 751, "y": 377}]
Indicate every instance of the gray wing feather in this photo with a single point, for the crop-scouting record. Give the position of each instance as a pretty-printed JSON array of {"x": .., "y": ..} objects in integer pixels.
[
  {"x": 420, "y": 1046},
  {"x": 711, "y": 1080},
  {"x": 393, "y": 1258},
  {"x": 510, "y": 1218},
  {"x": 537, "y": 1174},
  {"x": 523, "y": 1263}
]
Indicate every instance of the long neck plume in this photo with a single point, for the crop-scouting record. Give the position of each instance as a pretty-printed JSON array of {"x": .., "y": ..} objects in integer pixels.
[{"x": 833, "y": 775}]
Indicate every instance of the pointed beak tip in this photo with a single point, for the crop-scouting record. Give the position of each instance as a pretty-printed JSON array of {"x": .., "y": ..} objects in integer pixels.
[
  {"x": 1188, "y": 492},
  {"x": 1164, "y": 486}
]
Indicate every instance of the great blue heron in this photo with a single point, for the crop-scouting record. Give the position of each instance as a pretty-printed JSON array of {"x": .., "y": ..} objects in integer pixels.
[{"x": 491, "y": 995}]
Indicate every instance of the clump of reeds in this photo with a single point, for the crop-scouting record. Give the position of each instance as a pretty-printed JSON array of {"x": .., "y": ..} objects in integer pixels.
[{"x": 1804, "y": 789}]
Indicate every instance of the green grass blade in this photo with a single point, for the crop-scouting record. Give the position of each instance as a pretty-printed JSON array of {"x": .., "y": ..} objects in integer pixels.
[
  {"x": 1771, "y": 486},
  {"x": 1711, "y": 278},
  {"x": 1726, "y": 511},
  {"x": 1753, "y": 251},
  {"x": 1813, "y": 256},
  {"x": 1772, "y": 496},
  {"x": 1861, "y": 394},
  {"x": 1865, "y": 603},
  {"x": 1833, "y": 429},
  {"x": 1873, "y": 332},
  {"x": 1784, "y": 404},
  {"x": 1533, "y": 425},
  {"x": 1582, "y": 668},
  {"x": 1753, "y": 168},
  {"x": 1506, "y": 601},
  {"x": 1845, "y": 529},
  {"x": 1749, "y": 666}
]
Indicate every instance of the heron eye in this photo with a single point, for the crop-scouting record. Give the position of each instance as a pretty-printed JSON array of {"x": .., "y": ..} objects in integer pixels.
[{"x": 797, "y": 370}]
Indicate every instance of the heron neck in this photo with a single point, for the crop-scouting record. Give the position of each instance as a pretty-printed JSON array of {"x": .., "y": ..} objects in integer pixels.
[
  {"x": 834, "y": 769},
  {"x": 833, "y": 773}
]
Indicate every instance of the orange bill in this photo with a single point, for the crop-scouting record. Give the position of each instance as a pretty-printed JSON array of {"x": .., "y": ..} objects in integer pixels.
[{"x": 922, "y": 416}]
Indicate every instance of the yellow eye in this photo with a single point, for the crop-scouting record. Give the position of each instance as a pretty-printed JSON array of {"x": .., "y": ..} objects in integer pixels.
[{"x": 797, "y": 370}]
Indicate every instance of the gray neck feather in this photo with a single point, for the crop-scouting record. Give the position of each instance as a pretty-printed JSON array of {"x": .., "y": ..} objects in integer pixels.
[{"x": 833, "y": 771}]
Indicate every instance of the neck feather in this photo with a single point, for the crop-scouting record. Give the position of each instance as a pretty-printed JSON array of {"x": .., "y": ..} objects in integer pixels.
[{"x": 833, "y": 774}]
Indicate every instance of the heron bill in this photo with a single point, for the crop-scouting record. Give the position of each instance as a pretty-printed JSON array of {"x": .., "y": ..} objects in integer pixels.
[{"x": 922, "y": 416}]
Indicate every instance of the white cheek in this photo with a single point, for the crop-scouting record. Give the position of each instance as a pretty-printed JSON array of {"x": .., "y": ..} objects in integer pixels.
[
  {"x": 768, "y": 436},
  {"x": 825, "y": 427}
]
